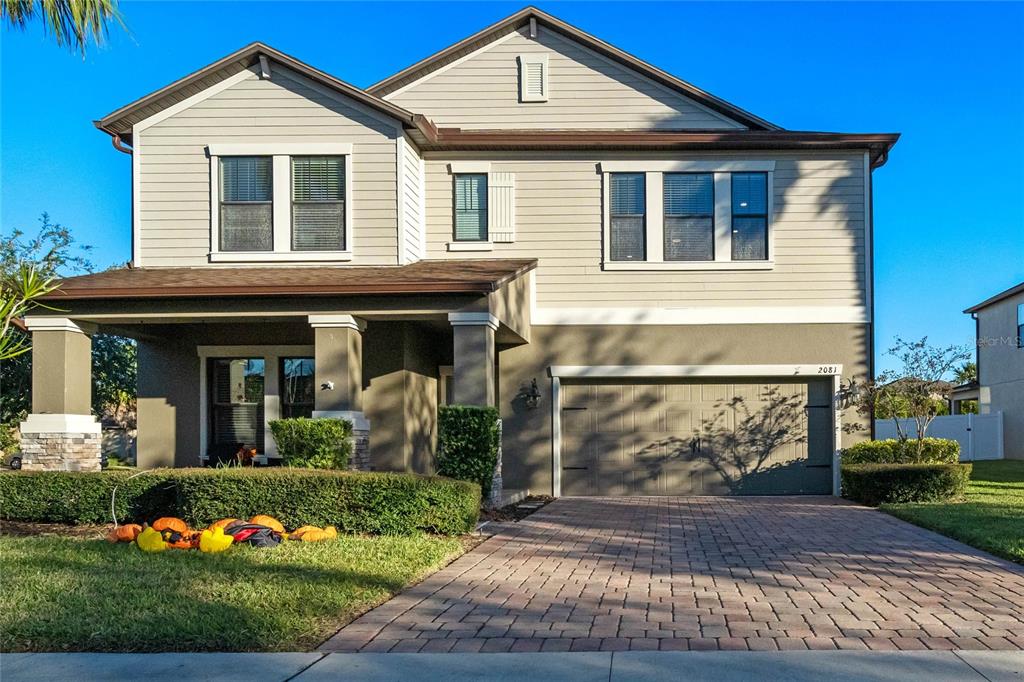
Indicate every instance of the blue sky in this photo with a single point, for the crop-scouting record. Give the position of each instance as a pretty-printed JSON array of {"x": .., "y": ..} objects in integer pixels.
[{"x": 949, "y": 205}]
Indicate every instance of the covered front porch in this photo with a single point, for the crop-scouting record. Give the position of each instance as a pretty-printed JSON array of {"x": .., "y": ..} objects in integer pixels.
[{"x": 224, "y": 351}]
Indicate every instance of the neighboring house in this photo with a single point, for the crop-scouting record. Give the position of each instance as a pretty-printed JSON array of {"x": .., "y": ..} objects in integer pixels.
[
  {"x": 999, "y": 322},
  {"x": 686, "y": 283}
]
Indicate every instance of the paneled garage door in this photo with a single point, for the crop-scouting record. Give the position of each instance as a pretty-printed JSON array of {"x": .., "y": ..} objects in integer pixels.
[{"x": 702, "y": 437}]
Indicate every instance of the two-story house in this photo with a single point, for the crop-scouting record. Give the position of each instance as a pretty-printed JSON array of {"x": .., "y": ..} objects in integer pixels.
[
  {"x": 661, "y": 292},
  {"x": 999, "y": 324}
]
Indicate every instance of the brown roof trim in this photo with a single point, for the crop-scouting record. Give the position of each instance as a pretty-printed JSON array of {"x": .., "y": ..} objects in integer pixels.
[
  {"x": 249, "y": 55},
  {"x": 1012, "y": 291},
  {"x": 877, "y": 144},
  {"x": 481, "y": 276},
  {"x": 522, "y": 17}
]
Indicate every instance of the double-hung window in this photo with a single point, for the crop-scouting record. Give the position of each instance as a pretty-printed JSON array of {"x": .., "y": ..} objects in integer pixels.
[
  {"x": 470, "y": 207},
  {"x": 318, "y": 203},
  {"x": 627, "y": 210},
  {"x": 246, "y": 204},
  {"x": 749, "y": 216},
  {"x": 689, "y": 216}
]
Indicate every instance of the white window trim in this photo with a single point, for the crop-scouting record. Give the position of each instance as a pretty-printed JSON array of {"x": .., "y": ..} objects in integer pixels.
[
  {"x": 281, "y": 221},
  {"x": 559, "y": 372},
  {"x": 654, "y": 217},
  {"x": 271, "y": 391},
  {"x": 534, "y": 58},
  {"x": 477, "y": 167},
  {"x": 471, "y": 246}
]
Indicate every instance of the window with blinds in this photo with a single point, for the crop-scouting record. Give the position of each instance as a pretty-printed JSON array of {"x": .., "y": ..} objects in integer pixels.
[
  {"x": 471, "y": 207},
  {"x": 318, "y": 203},
  {"x": 236, "y": 398},
  {"x": 246, "y": 204},
  {"x": 750, "y": 216},
  {"x": 627, "y": 208},
  {"x": 689, "y": 216}
]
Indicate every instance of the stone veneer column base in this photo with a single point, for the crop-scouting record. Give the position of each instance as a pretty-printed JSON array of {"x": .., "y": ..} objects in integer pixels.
[
  {"x": 360, "y": 458},
  {"x": 61, "y": 442}
]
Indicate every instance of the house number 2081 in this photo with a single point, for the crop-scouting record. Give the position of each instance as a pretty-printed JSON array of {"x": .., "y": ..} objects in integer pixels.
[{"x": 826, "y": 369}]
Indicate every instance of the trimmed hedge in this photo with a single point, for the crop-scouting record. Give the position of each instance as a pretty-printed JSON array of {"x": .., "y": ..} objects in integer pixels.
[
  {"x": 356, "y": 502},
  {"x": 468, "y": 439},
  {"x": 894, "y": 451},
  {"x": 315, "y": 443},
  {"x": 875, "y": 484}
]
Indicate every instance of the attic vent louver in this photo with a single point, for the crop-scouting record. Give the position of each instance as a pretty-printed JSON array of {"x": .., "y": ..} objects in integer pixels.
[{"x": 533, "y": 78}]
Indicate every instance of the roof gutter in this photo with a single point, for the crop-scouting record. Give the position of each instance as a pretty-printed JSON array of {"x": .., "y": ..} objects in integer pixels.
[{"x": 120, "y": 146}]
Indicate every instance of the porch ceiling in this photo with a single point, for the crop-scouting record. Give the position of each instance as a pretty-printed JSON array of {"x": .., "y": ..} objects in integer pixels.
[{"x": 478, "y": 276}]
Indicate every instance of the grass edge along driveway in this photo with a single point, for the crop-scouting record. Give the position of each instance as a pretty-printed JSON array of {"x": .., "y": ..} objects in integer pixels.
[
  {"x": 991, "y": 517},
  {"x": 68, "y": 594}
]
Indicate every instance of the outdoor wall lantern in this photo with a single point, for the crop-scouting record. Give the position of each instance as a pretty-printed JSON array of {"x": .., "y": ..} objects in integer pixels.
[
  {"x": 532, "y": 395},
  {"x": 327, "y": 386}
]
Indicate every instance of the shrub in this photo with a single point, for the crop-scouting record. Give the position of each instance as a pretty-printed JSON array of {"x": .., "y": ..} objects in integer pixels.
[
  {"x": 313, "y": 443},
  {"x": 467, "y": 443},
  {"x": 357, "y": 502},
  {"x": 894, "y": 451},
  {"x": 875, "y": 484},
  {"x": 73, "y": 497}
]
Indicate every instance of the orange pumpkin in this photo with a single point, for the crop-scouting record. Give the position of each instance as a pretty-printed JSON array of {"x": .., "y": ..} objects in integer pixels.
[
  {"x": 170, "y": 523},
  {"x": 223, "y": 523},
  {"x": 125, "y": 533},
  {"x": 268, "y": 521}
]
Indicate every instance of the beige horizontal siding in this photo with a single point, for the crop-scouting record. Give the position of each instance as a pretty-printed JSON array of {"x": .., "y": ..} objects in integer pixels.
[
  {"x": 174, "y": 209},
  {"x": 411, "y": 179},
  {"x": 586, "y": 90},
  {"x": 818, "y": 226}
]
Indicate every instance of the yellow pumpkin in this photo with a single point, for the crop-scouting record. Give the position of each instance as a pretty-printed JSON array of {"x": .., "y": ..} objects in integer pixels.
[
  {"x": 319, "y": 535},
  {"x": 299, "y": 532},
  {"x": 170, "y": 523},
  {"x": 215, "y": 540},
  {"x": 268, "y": 521},
  {"x": 223, "y": 523},
  {"x": 150, "y": 540},
  {"x": 125, "y": 533}
]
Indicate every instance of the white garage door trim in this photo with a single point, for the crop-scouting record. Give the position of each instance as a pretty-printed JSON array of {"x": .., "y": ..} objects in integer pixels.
[{"x": 559, "y": 372}]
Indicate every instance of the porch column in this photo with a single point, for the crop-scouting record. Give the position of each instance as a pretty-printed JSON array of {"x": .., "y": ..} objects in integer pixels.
[
  {"x": 474, "y": 358},
  {"x": 61, "y": 434},
  {"x": 338, "y": 378}
]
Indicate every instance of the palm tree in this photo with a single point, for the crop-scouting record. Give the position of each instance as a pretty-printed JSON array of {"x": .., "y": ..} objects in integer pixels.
[{"x": 73, "y": 22}]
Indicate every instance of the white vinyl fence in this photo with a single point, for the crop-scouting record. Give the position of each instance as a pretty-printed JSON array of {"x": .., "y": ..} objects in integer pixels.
[{"x": 980, "y": 435}]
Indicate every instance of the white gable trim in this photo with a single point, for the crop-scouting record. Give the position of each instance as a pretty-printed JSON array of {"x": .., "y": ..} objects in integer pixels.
[
  {"x": 209, "y": 92},
  {"x": 437, "y": 72}
]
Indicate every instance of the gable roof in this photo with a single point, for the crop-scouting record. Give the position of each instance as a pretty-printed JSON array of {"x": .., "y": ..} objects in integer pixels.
[
  {"x": 120, "y": 122},
  {"x": 1002, "y": 295},
  {"x": 522, "y": 18}
]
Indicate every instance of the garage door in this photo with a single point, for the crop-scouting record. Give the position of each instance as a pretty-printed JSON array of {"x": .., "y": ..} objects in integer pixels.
[{"x": 704, "y": 437}]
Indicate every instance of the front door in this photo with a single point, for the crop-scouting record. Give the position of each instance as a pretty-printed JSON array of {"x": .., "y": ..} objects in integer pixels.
[{"x": 236, "y": 401}]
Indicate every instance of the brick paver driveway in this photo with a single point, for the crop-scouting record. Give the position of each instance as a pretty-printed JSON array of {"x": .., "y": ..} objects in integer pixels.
[{"x": 588, "y": 574}]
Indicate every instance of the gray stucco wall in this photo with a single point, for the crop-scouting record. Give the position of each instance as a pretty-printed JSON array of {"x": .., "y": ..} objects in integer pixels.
[
  {"x": 1001, "y": 370},
  {"x": 527, "y": 433}
]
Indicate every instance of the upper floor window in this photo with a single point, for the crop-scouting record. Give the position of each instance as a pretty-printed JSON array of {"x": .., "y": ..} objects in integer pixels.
[
  {"x": 471, "y": 207},
  {"x": 280, "y": 202},
  {"x": 246, "y": 204},
  {"x": 689, "y": 216},
  {"x": 749, "y": 216},
  {"x": 627, "y": 209},
  {"x": 318, "y": 203}
]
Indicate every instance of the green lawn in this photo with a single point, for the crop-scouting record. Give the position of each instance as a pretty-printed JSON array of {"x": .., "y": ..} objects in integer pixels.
[
  {"x": 990, "y": 518},
  {"x": 60, "y": 593}
]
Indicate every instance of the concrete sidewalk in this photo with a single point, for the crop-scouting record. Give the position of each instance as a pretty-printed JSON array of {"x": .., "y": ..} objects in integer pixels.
[{"x": 652, "y": 666}]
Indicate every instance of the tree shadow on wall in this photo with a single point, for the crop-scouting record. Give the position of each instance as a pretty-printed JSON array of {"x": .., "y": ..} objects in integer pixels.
[{"x": 738, "y": 441}]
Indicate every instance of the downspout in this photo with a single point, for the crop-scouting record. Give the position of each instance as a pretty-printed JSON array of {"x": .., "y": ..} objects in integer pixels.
[{"x": 120, "y": 146}]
